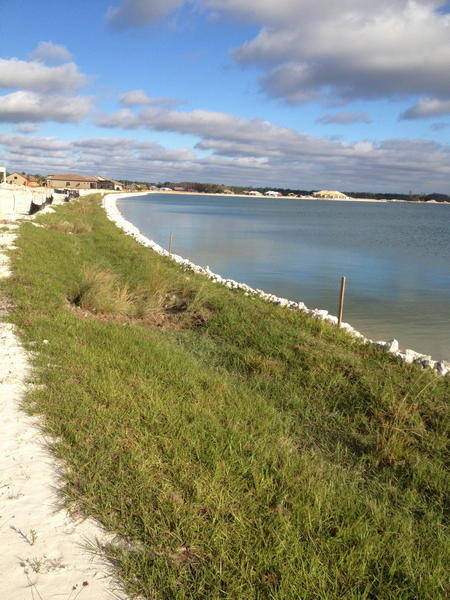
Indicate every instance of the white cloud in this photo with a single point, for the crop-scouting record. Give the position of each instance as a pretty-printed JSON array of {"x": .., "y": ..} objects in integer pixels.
[
  {"x": 139, "y": 13},
  {"x": 351, "y": 50},
  {"x": 345, "y": 118},
  {"x": 123, "y": 119},
  {"x": 114, "y": 157},
  {"x": 140, "y": 98},
  {"x": 253, "y": 151},
  {"x": 41, "y": 148},
  {"x": 27, "y": 128},
  {"x": 51, "y": 53},
  {"x": 30, "y": 107},
  {"x": 427, "y": 107},
  {"x": 333, "y": 50},
  {"x": 134, "y": 98},
  {"x": 396, "y": 165},
  {"x": 203, "y": 123},
  {"x": 34, "y": 76}
]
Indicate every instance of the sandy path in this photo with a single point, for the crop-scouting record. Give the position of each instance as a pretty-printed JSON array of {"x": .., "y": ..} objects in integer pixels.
[{"x": 43, "y": 549}]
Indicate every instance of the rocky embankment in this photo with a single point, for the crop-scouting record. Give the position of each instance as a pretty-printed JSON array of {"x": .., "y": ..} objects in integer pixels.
[{"x": 441, "y": 367}]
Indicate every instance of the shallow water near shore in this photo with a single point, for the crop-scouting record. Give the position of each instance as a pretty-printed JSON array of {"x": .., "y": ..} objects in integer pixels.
[{"x": 396, "y": 256}]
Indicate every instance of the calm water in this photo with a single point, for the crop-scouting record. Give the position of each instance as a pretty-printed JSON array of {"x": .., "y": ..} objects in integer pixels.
[{"x": 396, "y": 257}]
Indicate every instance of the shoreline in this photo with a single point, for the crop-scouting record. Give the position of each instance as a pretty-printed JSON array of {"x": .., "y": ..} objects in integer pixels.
[
  {"x": 441, "y": 367},
  {"x": 221, "y": 195}
]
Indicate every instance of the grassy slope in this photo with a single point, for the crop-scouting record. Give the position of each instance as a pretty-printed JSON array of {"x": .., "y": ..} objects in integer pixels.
[{"x": 251, "y": 451}]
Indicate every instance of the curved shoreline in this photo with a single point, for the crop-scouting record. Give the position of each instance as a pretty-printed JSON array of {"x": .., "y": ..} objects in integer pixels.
[{"x": 441, "y": 367}]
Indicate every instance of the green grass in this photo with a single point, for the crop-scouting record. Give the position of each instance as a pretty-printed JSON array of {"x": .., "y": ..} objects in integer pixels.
[{"x": 245, "y": 451}]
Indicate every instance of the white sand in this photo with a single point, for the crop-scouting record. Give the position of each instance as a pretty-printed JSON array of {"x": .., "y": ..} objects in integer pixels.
[{"x": 43, "y": 550}]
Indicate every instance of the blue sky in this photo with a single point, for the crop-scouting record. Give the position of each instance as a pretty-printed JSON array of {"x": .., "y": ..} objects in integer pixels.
[{"x": 351, "y": 95}]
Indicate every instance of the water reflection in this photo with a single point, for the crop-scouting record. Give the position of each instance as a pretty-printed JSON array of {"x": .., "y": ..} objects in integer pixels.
[{"x": 396, "y": 256}]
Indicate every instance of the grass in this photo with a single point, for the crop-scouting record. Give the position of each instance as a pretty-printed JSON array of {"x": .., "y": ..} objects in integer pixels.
[{"x": 242, "y": 451}]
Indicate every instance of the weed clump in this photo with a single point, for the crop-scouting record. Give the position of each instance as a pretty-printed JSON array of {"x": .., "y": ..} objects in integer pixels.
[
  {"x": 101, "y": 291},
  {"x": 66, "y": 227},
  {"x": 161, "y": 302}
]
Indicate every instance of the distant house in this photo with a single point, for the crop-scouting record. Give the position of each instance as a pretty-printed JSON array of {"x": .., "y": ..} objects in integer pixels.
[
  {"x": 22, "y": 179},
  {"x": 272, "y": 193},
  {"x": 109, "y": 184},
  {"x": 82, "y": 182},
  {"x": 254, "y": 193},
  {"x": 165, "y": 189},
  {"x": 178, "y": 188},
  {"x": 72, "y": 181},
  {"x": 227, "y": 191},
  {"x": 117, "y": 184}
]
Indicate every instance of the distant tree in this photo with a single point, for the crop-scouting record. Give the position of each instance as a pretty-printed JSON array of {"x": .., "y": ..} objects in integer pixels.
[
  {"x": 40, "y": 179},
  {"x": 437, "y": 197}
]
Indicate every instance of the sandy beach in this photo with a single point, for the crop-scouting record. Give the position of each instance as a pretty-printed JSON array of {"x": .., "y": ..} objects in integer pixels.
[
  {"x": 178, "y": 193},
  {"x": 46, "y": 552},
  {"x": 379, "y": 200}
]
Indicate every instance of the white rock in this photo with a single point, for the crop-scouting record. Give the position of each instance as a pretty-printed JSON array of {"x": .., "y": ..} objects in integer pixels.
[
  {"x": 331, "y": 319},
  {"x": 391, "y": 345},
  {"x": 410, "y": 355}
]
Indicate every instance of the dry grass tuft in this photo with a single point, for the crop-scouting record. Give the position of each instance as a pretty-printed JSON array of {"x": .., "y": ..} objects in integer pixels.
[
  {"x": 163, "y": 303},
  {"x": 66, "y": 227},
  {"x": 102, "y": 292}
]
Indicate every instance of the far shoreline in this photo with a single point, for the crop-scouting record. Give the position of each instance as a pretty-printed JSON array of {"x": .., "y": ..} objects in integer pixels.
[{"x": 218, "y": 194}]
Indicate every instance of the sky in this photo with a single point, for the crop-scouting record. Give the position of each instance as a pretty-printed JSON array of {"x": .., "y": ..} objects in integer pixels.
[{"x": 351, "y": 95}]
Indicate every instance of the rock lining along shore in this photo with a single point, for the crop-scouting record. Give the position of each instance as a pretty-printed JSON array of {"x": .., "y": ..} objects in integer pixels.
[{"x": 441, "y": 367}]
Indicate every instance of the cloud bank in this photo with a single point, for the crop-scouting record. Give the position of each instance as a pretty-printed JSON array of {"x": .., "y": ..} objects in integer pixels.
[
  {"x": 42, "y": 92},
  {"x": 428, "y": 107},
  {"x": 30, "y": 107},
  {"x": 37, "y": 77},
  {"x": 234, "y": 150},
  {"x": 140, "y": 98},
  {"x": 334, "y": 51}
]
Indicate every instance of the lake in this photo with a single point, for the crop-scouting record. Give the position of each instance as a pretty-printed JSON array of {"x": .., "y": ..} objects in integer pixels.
[{"x": 396, "y": 256}]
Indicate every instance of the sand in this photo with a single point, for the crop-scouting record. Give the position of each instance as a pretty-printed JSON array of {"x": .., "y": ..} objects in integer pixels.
[
  {"x": 44, "y": 550},
  {"x": 173, "y": 192}
]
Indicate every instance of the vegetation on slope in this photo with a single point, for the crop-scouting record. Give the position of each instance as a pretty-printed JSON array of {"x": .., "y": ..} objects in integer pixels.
[{"x": 244, "y": 451}]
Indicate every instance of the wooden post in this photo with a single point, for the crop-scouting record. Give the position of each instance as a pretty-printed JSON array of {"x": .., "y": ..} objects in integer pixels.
[
  {"x": 341, "y": 301},
  {"x": 170, "y": 244}
]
